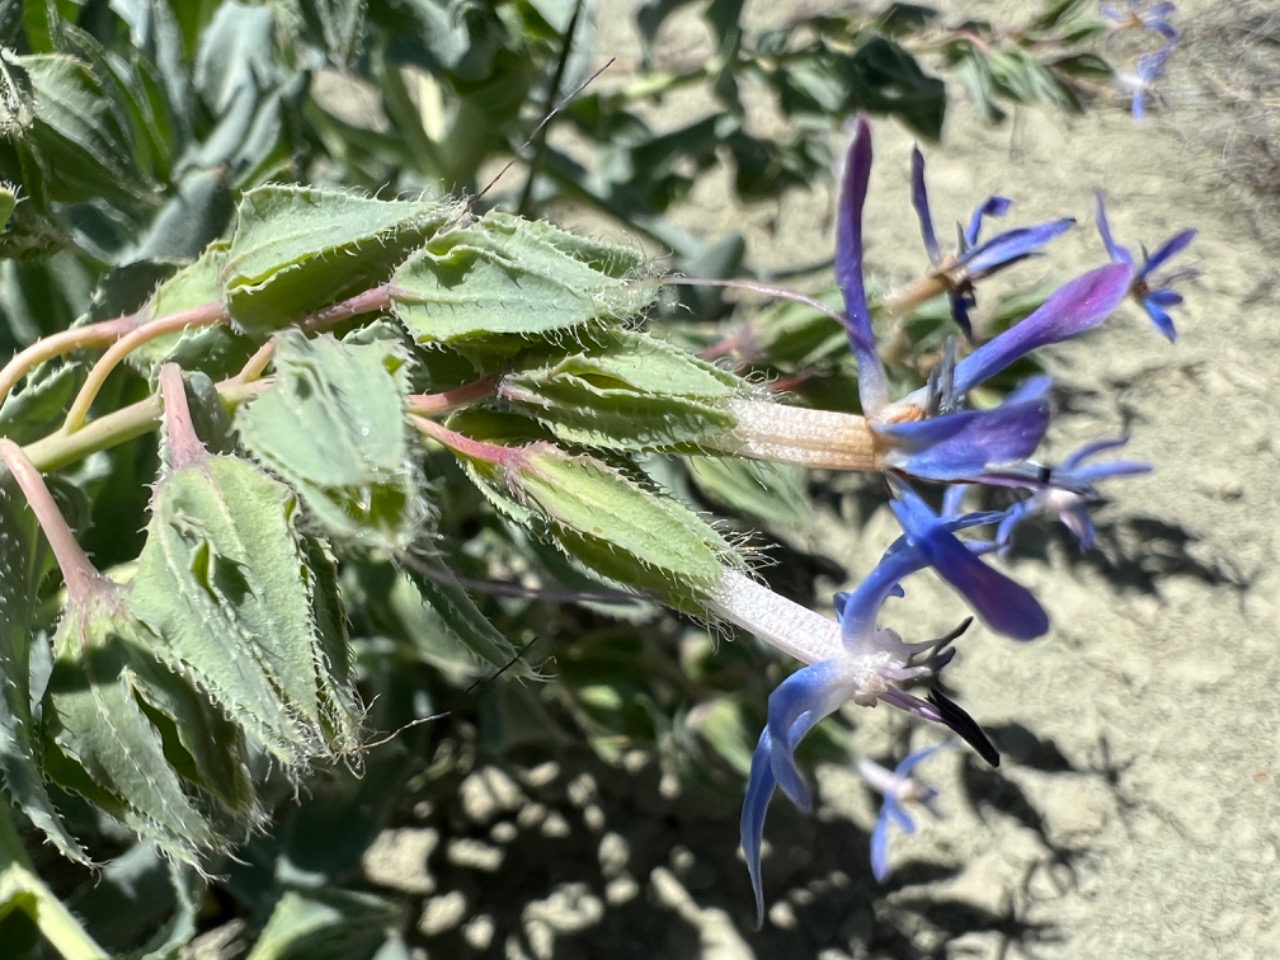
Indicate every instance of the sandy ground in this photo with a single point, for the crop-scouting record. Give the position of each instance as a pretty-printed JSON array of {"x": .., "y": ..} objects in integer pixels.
[{"x": 1137, "y": 813}]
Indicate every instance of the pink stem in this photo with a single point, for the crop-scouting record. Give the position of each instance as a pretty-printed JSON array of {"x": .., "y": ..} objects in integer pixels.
[
  {"x": 79, "y": 574},
  {"x": 185, "y": 446},
  {"x": 428, "y": 404}
]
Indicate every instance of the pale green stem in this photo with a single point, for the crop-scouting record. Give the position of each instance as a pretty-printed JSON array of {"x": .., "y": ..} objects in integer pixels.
[
  {"x": 18, "y": 881},
  {"x": 61, "y": 449}
]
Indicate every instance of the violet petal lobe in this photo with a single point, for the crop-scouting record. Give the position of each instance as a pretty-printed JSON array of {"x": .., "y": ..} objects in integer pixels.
[
  {"x": 1003, "y": 604},
  {"x": 1011, "y": 246},
  {"x": 755, "y": 807},
  {"x": 920, "y": 201},
  {"x": 1075, "y": 307},
  {"x": 873, "y": 385},
  {"x": 961, "y": 445},
  {"x": 795, "y": 707}
]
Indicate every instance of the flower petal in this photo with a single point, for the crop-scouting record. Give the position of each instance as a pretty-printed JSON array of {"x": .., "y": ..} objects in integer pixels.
[
  {"x": 960, "y": 446},
  {"x": 1004, "y": 605},
  {"x": 795, "y": 707},
  {"x": 1071, "y": 310},
  {"x": 755, "y": 806},
  {"x": 991, "y": 207},
  {"x": 1162, "y": 320},
  {"x": 920, "y": 201},
  {"x": 873, "y": 385},
  {"x": 1011, "y": 246},
  {"x": 880, "y": 849},
  {"x": 1117, "y": 253},
  {"x": 1172, "y": 247}
]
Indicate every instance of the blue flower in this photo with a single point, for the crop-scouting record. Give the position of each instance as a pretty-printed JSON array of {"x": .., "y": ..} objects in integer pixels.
[
  {"x": 875, "y": 663},
  {"x": 898, "y": 787},
  {"x": 1154, "y": 295},
  {"x": 1153, "y": 18},
  {"x": 926, "y": 434},
  {"x": 974, "y": 261},
  {"x": 1070, "y": 506}
]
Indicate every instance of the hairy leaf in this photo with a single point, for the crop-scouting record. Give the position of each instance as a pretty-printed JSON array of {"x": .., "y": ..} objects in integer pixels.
[
  {"x": 299, "y": 248},
  {"x": 20, "y": 747},
  {"x": 247, "y": 607},
  {"x": 333, "y": 425},
  {"x": 504, "y": 276},
  {"x": 614, "y": 525},
  {"x": 104, "y": 743},
  {"x": 628, "y": 391}
]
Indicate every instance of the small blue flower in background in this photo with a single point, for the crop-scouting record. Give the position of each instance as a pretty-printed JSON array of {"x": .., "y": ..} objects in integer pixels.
[
  {"x": 898, "y": 787},
  {"x": 1067, "y": 505},
  {"x": 1153, "y": 18},
  {"x": 1141, "y": 84},
  {"x": 1153, "y": 294},
  {"x": 1150, "y": 65},
  {"x": 974, "y": 261}
]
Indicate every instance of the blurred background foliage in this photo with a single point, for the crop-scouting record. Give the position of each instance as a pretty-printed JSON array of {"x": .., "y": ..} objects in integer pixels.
[{"x": 128, "y": 131}]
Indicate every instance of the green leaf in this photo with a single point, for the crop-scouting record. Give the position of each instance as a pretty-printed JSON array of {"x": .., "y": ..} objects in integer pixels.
[
  {"x": 8, "y": 203},
  {"x": 299, "y": 248},
  {"x": 338, "y": 25},
  {"x": 102, "y": 742},
  {"x": 507, "y": 277},
  {"x": 465, "y": 624},
  {"x": 37, "y": 409},
  {"x": 333, "y": 425},
  {"x": 774, "y": 492},
  {"x": 21, "y": 563},
  {"x": 888, "y": 79},
  {"x": 613, "y": 524},
  {"x": 247, "y": 607},
  {"x": 84, "y": 152},
  {"x": 331, "y": 925},
  {"x": 216, "y": 350},
  {"x": 628, "y": 391}
]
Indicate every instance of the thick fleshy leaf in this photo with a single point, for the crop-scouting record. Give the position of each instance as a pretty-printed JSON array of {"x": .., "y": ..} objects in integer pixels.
[
  {"x": 1071, "y": 310},
  {"x": 333, "y": 425},
  {"x": 247, "y": 607},
  {"x": 504, "y": 276},
  {"x": 296, "y": 249},
  {"x": 628, "y": 391}
]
